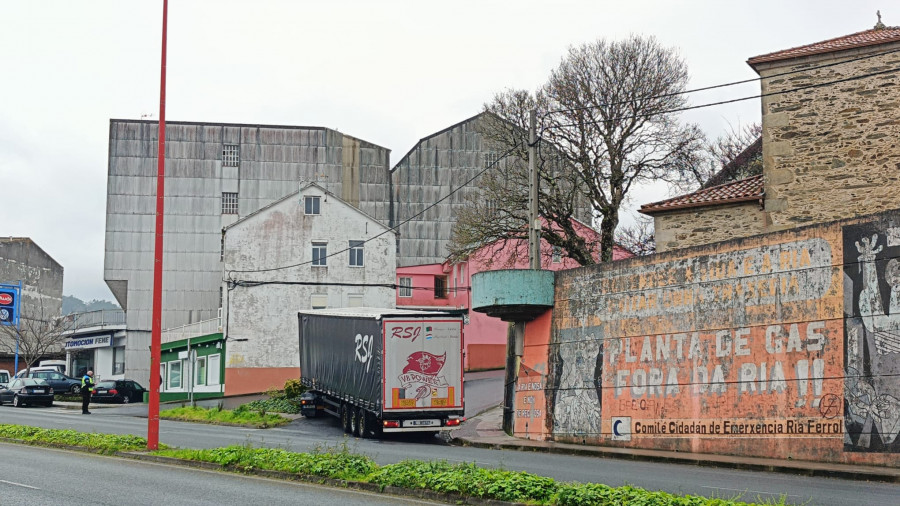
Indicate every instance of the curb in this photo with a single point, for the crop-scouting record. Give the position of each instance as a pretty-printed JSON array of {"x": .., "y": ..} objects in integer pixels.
[{"x": 847, "y": 474}]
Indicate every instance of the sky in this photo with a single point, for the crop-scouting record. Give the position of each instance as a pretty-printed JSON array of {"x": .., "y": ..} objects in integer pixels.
[{"x": 388, "y": 72}]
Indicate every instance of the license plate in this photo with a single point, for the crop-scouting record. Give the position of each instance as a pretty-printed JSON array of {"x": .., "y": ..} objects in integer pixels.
[
  {"x": 422, "y": 423},
  {"x": 38, "y": 391}
]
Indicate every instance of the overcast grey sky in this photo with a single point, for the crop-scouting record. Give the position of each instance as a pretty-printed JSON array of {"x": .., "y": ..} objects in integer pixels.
[{"x": 389, "y": 72}]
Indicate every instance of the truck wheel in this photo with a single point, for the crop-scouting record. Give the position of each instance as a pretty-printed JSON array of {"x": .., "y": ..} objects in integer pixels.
[
  {"x": 346, "y": 415},
  {"x": 354, "y": 421},
  {"x": 365, "y": 424}
]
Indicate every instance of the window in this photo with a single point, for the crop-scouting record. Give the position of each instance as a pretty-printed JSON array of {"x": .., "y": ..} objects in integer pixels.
[
  {"x": 557, "y": 254},
  {"x": 119, "y": 360},
  {"x": 162, "y": 377},
  {"x": 319, "y": 253},
  {"x": 440, "y": 287},
  {"x": 318, "y": 301},
  {"x": 490, "y": 159},
  {"x": 231, "y": 155},
  {"x": 356, "y": 253},
  {"x": 174, "y": 380},
  {"x": 354, "y": 300},
  {"x": 406, "y": 287},
  {"x": 214, "y": 369},
  {"x": 201, "y": 371},
  {"x": 311, "y": 205},
  {"x": 229, "y": 206}
]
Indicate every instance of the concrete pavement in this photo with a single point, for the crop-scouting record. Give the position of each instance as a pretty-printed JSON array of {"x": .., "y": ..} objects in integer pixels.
[{"x": 484, "y": 431}]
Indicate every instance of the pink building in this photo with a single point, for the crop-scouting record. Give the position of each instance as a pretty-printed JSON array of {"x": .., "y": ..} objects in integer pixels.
[{"x": 446, "y": 286}]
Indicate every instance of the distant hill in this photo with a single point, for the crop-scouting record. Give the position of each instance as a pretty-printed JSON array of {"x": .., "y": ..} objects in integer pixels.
[{"x": 72, "y": 304}]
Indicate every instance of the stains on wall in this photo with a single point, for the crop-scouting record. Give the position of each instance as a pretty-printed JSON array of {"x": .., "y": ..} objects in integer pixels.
[{"x": 784, "y": 345}]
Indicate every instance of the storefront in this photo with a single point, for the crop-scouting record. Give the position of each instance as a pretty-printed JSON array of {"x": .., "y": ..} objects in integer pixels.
[
  {"x": 102, "y": 353},
  {"x": 193, "y": 367}
]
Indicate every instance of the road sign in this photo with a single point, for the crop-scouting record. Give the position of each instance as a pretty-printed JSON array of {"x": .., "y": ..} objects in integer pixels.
[{"x": 9, "y": 303}]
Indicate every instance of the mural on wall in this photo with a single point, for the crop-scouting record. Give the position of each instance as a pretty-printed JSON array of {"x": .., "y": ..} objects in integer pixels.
[
  {"x": 577, "y": 398},
  {"x": 872, "y": 337}
]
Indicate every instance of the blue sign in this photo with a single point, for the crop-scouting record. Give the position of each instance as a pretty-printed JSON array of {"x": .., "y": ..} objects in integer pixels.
[{"x": 9, "y": 304}]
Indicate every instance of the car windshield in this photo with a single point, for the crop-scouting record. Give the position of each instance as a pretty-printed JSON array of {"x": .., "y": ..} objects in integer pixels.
[
  {"x": 30, "y": 382},
  {"x": 106, "y": 384}
]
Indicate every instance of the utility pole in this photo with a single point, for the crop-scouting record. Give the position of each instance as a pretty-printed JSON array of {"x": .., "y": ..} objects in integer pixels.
[
  {"x": 534, "y": 224},
  {"x": 156, "y": 316}
]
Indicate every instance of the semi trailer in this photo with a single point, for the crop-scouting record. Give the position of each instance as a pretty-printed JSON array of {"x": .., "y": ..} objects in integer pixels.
[{"x": 382, "y": 370}]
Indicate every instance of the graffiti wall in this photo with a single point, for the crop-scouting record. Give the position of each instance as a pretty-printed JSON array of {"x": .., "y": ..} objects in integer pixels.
[{"x": 783, "y": 345}]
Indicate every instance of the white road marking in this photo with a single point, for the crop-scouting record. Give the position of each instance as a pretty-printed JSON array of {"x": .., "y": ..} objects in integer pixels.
[{"x": 19, "y": 484}]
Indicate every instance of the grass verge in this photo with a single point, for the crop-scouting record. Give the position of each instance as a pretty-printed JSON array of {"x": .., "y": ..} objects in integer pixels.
[
  {"x": 240, "y": 416},
  {"x": 466, "y": 480},
  {"x": 100, "y": 443}
]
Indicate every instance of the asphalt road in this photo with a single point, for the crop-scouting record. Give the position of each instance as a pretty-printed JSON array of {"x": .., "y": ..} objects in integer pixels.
[
  {"x": 307, "y": 434},
  {"x": 44, "y": 476}
]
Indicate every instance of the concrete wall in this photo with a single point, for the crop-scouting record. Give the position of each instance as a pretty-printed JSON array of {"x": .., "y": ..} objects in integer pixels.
[
  {"x": 273, "y": 162},
  {"x": 41, "y": 276},
  {"x": 780, "y": 345},
  {"x": 692, "y": 227},
  {"x": 830, "y": 152},
  {"x": 261, "y": 308}
]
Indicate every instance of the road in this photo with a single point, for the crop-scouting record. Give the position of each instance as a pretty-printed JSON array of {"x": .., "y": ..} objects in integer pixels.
[
  {"x": 46, "y": 476},
  {"x": 308, "y": 434}
]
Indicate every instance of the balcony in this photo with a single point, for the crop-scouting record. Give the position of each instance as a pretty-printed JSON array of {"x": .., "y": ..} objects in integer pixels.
[
  {"x": 192, "y": 330},
  {"x": 512, "y": 295},
  {"x": 104, "y": 319}
]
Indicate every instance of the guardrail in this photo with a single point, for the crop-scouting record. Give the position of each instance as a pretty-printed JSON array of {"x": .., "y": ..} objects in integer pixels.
[
  {"x": 99, "y": 318},
  {"x": 191, "y": 330}
]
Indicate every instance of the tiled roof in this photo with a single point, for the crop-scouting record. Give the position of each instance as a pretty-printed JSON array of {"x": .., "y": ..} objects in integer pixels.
[
  {"x": 745, "y": 190},
  {"x": 871, "y": 37}
]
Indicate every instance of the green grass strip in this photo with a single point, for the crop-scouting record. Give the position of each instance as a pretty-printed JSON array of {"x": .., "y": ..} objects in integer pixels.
[
  {"x": 101, "y": 443},
  {"x": 441, "y": 476},
  {"x": 246, "y": 417}
]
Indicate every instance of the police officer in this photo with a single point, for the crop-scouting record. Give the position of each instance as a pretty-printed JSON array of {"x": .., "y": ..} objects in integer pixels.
[{"x": 87, "y": 387}]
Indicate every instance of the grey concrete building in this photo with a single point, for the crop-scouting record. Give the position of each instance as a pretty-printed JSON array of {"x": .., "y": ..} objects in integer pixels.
[
  {"x": 215, "y": 174},
  {"x": 22, "y": 260}
]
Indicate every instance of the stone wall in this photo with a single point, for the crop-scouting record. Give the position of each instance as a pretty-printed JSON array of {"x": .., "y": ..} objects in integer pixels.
[
  {"x": 780, "y": 345},
  {"x": 831, "y": 151},
  {"x": 692, "y": 227}
]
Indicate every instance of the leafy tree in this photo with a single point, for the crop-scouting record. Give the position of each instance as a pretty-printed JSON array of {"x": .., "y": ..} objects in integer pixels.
[{"x": 608, "y": 122}]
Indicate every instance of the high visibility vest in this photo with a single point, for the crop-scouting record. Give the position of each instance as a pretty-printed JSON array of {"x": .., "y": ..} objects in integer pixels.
[{"x": 85, "y": 380}]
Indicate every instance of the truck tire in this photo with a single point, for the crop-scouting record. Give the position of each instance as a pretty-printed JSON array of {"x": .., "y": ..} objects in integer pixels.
[
  {"x": 365, "y": 424},
  {"x": 354, "y": 421},
  {"x": 346, "y": 415}
]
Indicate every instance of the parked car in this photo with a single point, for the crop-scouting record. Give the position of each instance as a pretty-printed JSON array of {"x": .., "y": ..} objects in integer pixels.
[
  {"x": 123, "y": 390},
  {"x": 60, "y": 382},
  {"x": 24, "y": 391},
  {"x": 4, "y": 377}
]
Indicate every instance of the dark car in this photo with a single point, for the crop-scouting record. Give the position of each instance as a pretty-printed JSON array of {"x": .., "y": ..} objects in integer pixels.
[
  {"x": 123, "y": 390},
  {"x": 60, "y": 382},
  {"x": 24, "y": 391}
]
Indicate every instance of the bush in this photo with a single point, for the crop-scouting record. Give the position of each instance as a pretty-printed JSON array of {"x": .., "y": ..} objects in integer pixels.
[
  {"x": 239, "y": 416},
  {"x": 103, "y": 443},
  {"x": 293, "y": 389}
]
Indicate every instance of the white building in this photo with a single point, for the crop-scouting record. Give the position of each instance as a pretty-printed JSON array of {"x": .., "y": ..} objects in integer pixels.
[{"x": 308, "y": 250}]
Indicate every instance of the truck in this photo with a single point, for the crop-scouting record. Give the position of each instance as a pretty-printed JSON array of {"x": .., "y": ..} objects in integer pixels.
[{"x": 382, "y": 370}]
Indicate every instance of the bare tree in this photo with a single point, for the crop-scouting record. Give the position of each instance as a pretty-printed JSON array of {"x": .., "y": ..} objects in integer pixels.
[
  {"x": 497, "y": 220},
  {"x": 39, "y": 334},
  {"x": 607, "y": 114},
  {"x": 737, "y": 154},
  {"x": 638, "y": 238}
]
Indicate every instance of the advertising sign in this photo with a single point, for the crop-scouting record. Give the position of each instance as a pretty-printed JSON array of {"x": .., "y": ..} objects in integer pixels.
[
  {"x": 423, "y": 364},
  {"x": 9, "y": 304}
]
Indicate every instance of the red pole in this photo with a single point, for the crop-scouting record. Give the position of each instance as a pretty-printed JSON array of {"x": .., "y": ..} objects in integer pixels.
[{"x": 156, "y": 326}]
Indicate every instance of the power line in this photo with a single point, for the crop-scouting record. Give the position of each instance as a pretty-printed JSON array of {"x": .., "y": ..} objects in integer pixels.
[
  {"x": 723, "y": 102},
  {"x": 733, "y": 83},
  {"x": 396, "y": 227}
]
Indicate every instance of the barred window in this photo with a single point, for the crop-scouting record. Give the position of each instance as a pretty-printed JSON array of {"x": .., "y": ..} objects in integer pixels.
[
  {"x": 229, "y": 203},
  {"x": 557, "y": 254},
  {"x": 356, "y": 253},
  {"x": 231, "y": 155},
  {"x": 490, "y": 158},
  {"x": 319, "y": 253},
  {"x": 406, "y": 287}
]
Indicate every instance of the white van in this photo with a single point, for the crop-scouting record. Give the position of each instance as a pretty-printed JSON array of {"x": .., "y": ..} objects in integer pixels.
[
  {"x": 58, "y": 365},
  {"x": 4, "y": 377}
]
